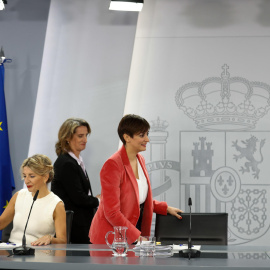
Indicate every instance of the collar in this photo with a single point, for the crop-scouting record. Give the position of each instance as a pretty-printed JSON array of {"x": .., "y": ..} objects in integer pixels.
[
  {"x": 124, "y": 156},
  {"x": 79, "y": 160}
]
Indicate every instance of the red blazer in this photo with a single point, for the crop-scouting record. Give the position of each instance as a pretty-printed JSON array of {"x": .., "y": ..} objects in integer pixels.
[{"x": 119, "y": 205}]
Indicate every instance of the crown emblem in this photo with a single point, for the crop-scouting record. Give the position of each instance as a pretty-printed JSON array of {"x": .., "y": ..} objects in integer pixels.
[
  {"x": 159, "y": 125},
  {"x": 219, "y": 103}
]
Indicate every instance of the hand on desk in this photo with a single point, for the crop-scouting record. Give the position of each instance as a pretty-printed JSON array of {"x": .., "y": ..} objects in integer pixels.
[
  {"x": 141, "y": 238},
  {"x": 174, "y": 211},
  {"x": 43, "y": 241}
]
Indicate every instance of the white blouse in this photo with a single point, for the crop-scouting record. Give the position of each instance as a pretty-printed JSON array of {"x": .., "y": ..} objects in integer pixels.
[
  {"x": 142, "y": 184},
  {"x": 41, "y": 220},
  {"x": 80, "y": 162}
]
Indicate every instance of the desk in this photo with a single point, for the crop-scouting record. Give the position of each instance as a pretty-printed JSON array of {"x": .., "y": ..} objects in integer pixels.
[{"x": 97, "y": 257}]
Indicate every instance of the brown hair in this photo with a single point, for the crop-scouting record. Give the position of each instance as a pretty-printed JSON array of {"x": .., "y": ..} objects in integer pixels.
[
  {"x": 66, "y": 133},
  {"x": 39, "y": 164},
  {"x": 132, "y": 124}
]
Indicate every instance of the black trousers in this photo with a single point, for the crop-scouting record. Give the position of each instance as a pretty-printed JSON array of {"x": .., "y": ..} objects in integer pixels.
[
  {"x": 79, "y": 235},
  {"x": 139, "y": 223}
]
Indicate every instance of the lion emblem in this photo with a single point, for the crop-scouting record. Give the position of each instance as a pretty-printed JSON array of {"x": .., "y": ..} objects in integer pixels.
[{"x": 248, "y": 152}]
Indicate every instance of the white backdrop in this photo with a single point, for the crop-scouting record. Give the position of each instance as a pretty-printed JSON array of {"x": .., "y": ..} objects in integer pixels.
[
  {"x": 84, "y": 73},
  {"x": 200, "y": 75}
]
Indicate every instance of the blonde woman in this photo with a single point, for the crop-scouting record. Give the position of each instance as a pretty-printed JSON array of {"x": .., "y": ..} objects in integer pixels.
[{"x": 48, "y": 216}]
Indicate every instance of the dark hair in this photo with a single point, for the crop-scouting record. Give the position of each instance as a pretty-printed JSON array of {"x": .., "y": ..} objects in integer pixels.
[
  {"x": 132, "y": 124},
  {"x": 66, "y": 133}
]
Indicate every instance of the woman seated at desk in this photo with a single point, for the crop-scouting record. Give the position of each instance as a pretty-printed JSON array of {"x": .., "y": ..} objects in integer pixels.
[
  {"x": 48, "y": 216},
  {"x": 126, "y": 196}
]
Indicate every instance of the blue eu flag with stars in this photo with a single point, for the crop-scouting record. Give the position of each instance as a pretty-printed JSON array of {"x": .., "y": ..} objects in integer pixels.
[{"x": 6, "y": 174}]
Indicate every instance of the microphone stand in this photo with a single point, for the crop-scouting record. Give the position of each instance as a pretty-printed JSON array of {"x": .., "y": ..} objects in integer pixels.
[
  {"x": 24, "y": 250},
  {"x": 189, "y": 252}
]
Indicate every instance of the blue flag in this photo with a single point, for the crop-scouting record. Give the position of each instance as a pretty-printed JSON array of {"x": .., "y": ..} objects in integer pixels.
[{"x": 6, "y": 173}]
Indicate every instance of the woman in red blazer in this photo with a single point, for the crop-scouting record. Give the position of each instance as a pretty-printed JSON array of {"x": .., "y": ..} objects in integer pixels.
[{"x": 124, "y": 200}]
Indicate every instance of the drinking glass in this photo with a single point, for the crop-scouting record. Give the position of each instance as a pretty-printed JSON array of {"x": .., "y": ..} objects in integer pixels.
[{"x": 147, "y": 246}]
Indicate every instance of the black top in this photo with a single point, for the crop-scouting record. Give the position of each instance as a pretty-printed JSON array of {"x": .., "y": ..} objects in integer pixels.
[{"x": 72, "y": 185}]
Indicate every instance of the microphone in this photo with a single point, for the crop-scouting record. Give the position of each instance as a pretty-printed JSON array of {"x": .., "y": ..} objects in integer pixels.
[
  {"x": 23, "y": 250},
  {"x": 189, "y": 237},
  {"x": 189, "y": 252}
]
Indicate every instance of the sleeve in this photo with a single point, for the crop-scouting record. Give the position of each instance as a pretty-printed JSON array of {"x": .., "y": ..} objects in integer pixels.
[
  {"x": 70, "y": 179},
  {"x": 160, "y": 207},
  {"x": 110, "y": 177}
]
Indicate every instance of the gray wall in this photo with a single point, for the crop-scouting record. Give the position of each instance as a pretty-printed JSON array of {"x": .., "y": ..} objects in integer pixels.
[
  {"x": 22, "y": 33},
  {"x": 87, "y": 39}
]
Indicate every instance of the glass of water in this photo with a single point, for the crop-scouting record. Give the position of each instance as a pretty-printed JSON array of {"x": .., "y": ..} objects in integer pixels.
[{"x": 147, "y": 246}]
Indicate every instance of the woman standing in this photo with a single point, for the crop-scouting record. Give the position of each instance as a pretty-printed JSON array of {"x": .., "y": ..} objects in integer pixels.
[
  {"x": 48, "y": 216},
  {"x": 126, "y": 196},
  {"x": 71, "y": 182}
]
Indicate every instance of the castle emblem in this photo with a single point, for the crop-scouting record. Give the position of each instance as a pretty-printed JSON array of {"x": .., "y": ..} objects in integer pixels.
[
  {"x": 219, "y": 103},
  {"x": 202, "y": 159}
]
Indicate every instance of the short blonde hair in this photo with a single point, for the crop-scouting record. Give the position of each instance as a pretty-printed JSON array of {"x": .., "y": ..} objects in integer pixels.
[
  {"x": 39, "y": 164},
  {"x": 66, "y": 133}
]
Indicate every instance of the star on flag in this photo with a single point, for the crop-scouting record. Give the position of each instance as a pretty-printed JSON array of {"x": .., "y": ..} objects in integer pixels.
[{"x": 6, "y": 204}]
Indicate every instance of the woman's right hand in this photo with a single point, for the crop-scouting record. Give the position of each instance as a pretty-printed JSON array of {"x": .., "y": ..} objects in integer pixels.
[{"x": 141, "y": 238}]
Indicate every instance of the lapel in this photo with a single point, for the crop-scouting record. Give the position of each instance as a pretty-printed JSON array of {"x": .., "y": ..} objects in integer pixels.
[
  {"x": 84, "y": 177},
  {"x": 144, "y": 169},
  {"x": 149, "y": 194},
  {"x": 128, "y": 168},
  {"x": 87, "y": 177}
]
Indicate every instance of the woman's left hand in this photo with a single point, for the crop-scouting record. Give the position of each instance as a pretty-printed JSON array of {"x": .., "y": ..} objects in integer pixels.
[
  {"x": 43, "y": 241},
  {"x": 174, "y": 211}
]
